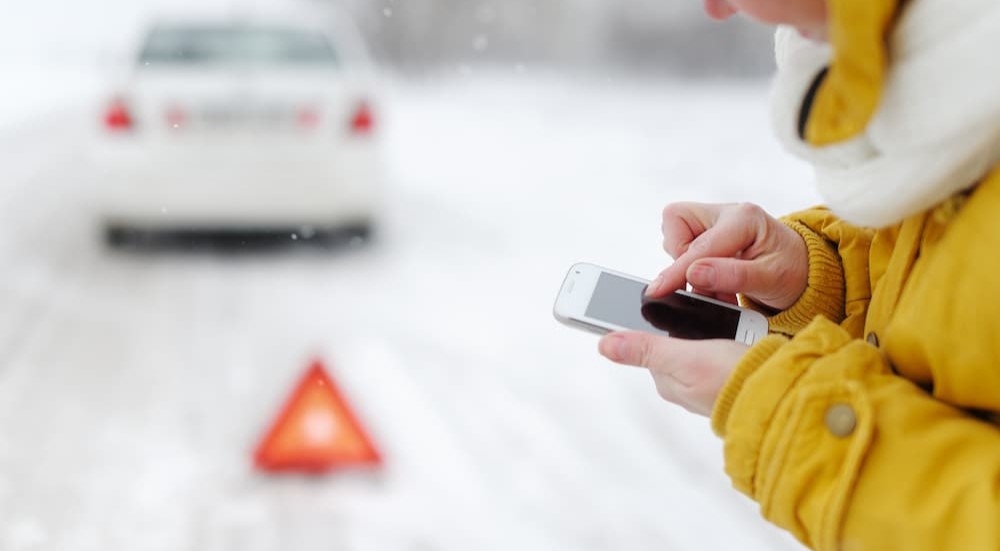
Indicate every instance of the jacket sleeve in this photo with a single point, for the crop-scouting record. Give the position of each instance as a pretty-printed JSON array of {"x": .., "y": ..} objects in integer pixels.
[
  {"x": 838, "y": 286},
  {"x": 846, "y": 455}
]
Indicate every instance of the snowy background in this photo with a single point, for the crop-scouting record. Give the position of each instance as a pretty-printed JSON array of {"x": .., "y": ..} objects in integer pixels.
[{"x": 133, "y": 388}]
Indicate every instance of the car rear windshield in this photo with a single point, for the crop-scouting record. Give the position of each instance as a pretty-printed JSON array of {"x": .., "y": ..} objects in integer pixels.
[{"x": 236, "y": 46}]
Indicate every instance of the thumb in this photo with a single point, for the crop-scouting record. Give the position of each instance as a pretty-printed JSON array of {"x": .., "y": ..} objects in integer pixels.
[
  {"x": 637, "y": 348},
  {"x": 731, "y": 275}
]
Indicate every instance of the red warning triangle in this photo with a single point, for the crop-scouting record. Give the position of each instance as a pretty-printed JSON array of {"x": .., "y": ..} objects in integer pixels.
[{"x": 316, "y": 430}]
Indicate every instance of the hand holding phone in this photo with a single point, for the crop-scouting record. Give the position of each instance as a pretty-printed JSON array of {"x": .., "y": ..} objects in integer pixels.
[{"x": 602, "y": 300}]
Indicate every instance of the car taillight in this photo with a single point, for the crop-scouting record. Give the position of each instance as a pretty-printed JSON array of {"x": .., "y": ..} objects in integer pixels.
[
  {"x": 363, "y": 120},
  {"x": 308, "y": 117},
  {"x": 176, "y": 118},
  {"x": 117, "y": 118}
]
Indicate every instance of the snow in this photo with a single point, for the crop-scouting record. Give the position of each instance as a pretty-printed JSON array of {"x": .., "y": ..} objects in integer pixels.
[{"x": 133, "y": 388}]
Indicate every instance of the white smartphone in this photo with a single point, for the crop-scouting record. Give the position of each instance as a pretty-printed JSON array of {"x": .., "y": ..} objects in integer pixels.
[{"x": 601, "y": 300}]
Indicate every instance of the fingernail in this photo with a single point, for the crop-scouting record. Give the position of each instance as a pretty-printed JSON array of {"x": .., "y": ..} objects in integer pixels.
[
  {"x": 702, "y": 276},
  {"x": 654, "y": 285},
  {"x": 614, "y": 347}
]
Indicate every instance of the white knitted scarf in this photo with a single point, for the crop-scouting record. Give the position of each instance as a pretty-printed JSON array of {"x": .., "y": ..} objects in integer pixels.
[{"x": 936, "y": 131}]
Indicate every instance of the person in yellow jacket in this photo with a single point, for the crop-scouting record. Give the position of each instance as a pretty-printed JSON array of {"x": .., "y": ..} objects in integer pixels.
[{"x": 870, "y": 418}]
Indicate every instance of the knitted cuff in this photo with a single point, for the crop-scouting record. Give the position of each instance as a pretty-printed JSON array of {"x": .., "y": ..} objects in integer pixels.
[
  {"x": 824, "y": 293},
  {"x": 753, "y": 359}
]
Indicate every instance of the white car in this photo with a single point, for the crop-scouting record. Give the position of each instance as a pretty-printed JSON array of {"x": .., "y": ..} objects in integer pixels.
[{"x": 264, "y": 126}]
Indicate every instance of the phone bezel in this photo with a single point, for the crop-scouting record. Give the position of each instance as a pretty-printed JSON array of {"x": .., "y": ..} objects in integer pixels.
[{"x": 578, "y": 288}]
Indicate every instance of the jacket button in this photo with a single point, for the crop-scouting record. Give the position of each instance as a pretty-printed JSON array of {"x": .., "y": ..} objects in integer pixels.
[
  {"x": 872, "y": 339},
  {"x": 841, "y": 420}
]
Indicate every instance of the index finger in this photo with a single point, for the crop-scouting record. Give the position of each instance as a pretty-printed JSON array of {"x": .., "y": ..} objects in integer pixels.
[{"x": 724, "y": 240}]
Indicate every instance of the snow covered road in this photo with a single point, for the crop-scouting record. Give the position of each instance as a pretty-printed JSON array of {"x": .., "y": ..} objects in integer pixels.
[{"x": 133, "y": 388}]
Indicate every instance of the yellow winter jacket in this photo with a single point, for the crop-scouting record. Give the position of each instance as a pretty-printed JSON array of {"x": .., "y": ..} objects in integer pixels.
[{"x": 869, "y": 419}]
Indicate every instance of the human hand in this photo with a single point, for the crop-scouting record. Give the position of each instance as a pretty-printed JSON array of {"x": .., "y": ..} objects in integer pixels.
[
  {"x": 727, "y": 249},
  {"x": 688, "y": 373}
]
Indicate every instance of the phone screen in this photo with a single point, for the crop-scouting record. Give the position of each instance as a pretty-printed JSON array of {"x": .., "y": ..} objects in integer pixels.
[{"x": 620, "y": 301}]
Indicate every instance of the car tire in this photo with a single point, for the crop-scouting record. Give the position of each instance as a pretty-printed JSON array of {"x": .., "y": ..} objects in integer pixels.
[
  {"x": 362, "y": 232},
  {"x": 341, "y": 237},
  {"x": 117, "y": 237}
]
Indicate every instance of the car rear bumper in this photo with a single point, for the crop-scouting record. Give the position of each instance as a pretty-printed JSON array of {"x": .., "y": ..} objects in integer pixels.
[{"x": 238, "y": 187}]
